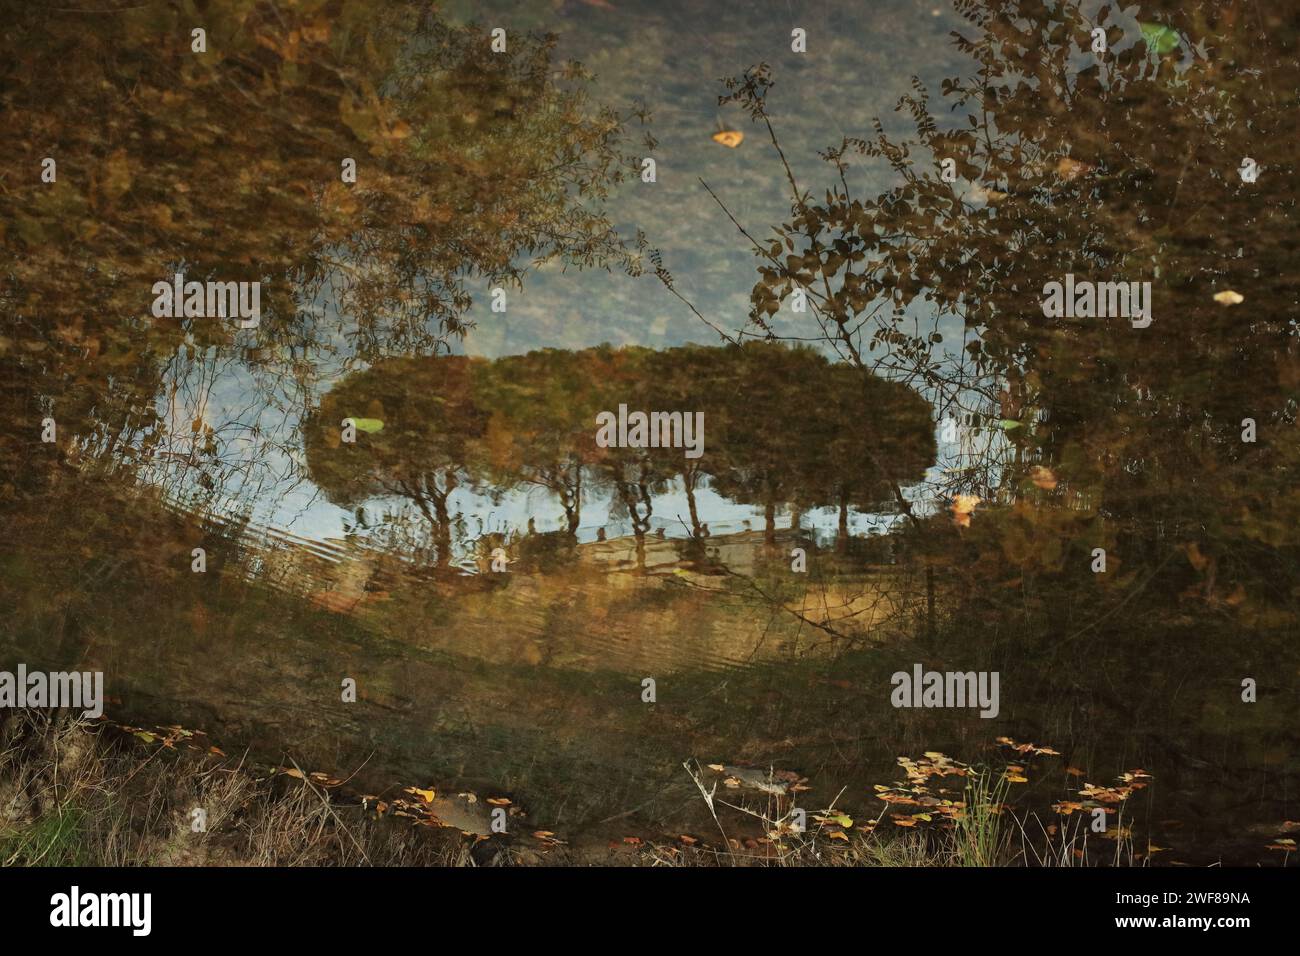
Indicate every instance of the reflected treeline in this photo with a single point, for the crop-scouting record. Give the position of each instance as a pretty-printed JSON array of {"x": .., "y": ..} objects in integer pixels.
[{"x": 783, "y": 428}]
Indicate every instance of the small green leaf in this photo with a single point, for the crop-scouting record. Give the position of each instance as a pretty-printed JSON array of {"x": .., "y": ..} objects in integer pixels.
[
  {"x": 1159, "y": 37},
  {"x": 370, "y": 425},
  {"x": 1009, "y": 423}
]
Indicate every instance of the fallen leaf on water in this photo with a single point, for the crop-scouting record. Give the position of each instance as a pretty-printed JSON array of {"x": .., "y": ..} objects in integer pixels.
[
  {"x": 1043, "y": 477},
  {"x": 1228, "y": 297},
  {"x": 962, "y": 506},
  {"x": 731, "y": 138},
  {"x": 840, "y": 819},
  {"x": 318, "y": 32},
  {"x": 1159, "y": 37},
  {"x": 1069, "y": 169}
]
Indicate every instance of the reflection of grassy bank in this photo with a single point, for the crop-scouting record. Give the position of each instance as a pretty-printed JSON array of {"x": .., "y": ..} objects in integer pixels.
[{"x": 532, "y": 686}]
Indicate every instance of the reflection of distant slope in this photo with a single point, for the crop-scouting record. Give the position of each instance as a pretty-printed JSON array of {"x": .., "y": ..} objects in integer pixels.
[
  {"x": 338, "y": 574},
  {"x": 731, "y": 603}
]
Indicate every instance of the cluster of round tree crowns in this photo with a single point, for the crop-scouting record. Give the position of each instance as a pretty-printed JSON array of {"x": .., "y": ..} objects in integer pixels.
[{"x": 781, "y": 427}]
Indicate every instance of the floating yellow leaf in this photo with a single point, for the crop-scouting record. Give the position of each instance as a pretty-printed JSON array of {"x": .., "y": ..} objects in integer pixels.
[
  {"x": 731, "y": 138},
  {"x": 1043, "y": 477},
  {"x": 1228, "y": 297},
  {"x": 1069, "y": 169},
  {"x": 962, "y": 506}
]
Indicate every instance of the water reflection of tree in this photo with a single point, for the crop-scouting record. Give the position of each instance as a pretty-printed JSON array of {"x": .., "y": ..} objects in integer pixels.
[
  {"x": 227, "y": 164},
  {"x": 1115, "y": 168},
  {"x": 782, "y": 427}
]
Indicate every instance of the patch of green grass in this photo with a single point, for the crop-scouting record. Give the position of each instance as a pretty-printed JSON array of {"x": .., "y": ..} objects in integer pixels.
[
  {"x": 980, "y": 838},
  {"x": 52, "y": 840}
]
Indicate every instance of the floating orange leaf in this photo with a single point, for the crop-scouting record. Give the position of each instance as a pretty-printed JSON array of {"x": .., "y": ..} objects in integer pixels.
[
  {"x": 962, "y": 506},
  {"x": 1043, "y": 477}
]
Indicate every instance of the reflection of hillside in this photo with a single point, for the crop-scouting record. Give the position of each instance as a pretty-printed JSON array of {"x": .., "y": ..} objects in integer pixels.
[
  {"x": 597, "y": 610},
  {"x": 531, "y": 681}
]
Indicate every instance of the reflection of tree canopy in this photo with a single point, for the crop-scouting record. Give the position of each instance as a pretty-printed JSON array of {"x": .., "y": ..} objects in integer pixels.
[
  {"x": 227, "y": 164},
  {"x": 1121, "y": 169},
  {"x": 782, "y": 427}
]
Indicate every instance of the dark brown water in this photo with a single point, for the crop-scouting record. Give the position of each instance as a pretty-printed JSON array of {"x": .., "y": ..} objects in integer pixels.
[{"x": 497, "y": 581}]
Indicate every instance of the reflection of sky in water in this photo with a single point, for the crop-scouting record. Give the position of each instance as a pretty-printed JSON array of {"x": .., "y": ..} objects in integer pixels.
[{"x": 670, "y": 57}]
